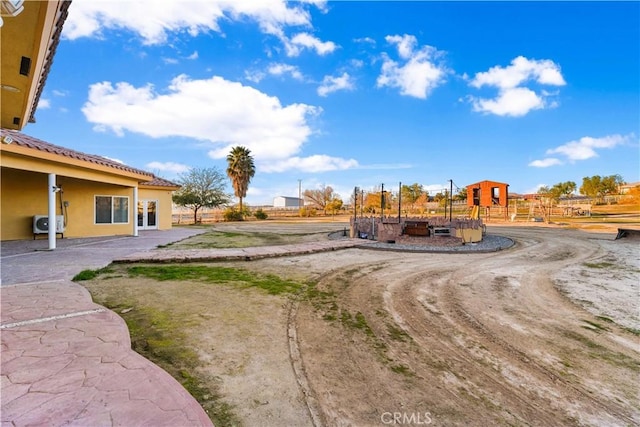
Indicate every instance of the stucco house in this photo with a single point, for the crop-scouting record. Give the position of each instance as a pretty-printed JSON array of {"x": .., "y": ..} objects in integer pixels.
[
  {"x": 29, "y": 36},
  {"x": 95, "y": 196},
  {"x": 89, "y": 195}
]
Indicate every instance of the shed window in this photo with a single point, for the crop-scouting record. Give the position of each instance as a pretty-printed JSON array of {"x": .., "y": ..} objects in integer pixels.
[{"x": 112, "y": 210}]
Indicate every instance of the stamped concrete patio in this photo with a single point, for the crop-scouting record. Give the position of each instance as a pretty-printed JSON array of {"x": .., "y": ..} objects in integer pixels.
[{"x": 68, "y": 361}]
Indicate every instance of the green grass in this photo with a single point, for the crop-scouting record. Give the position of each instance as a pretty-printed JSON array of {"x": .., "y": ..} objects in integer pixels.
[
  {"x": 398, "y": 334},
  {"x": 273, "y": 284},
  {"x": 216, "y": 239},
  {"x": 597, "y": 351},
  {"x": 603, "y": 264},
  {"x": 634, "y": 331},
  {"x": 605, "y": 318},
  {"x": 594, "y": 326},
  {"x": 90, "y": 274},
  {"x": 159, "y": 336},
  {"x": 358, "y": 322},
  {"x": 402, "y": 369}
]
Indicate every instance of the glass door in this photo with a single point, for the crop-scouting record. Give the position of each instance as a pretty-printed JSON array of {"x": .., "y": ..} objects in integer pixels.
[{"x": 147, "y": 214}]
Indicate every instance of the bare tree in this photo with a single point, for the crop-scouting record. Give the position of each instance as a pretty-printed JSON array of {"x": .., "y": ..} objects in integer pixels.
[
  {"x": 321, "y": 197},
  {"x": 201, "y": 188}
]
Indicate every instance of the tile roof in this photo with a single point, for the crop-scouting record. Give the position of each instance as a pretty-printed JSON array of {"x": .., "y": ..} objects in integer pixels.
[
  {"x": 23, "y": 140},
  {"x": 160, "y": 182}
]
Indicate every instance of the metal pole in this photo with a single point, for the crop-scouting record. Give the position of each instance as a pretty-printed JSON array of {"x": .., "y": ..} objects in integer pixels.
[
  {"x": 135, "y": 211},
  {"x": 399, "y": 200},
  {"x": 450, "y": 199},
  {"x": 52, "y": 211},
  {"x": 355, "y": 204},
  {"x": 382, "y": 202},
  {"x": 300, "y": 197}
]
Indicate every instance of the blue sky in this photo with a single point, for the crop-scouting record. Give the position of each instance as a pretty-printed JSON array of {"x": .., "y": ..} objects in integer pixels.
[{"x": 352, "y": 93}]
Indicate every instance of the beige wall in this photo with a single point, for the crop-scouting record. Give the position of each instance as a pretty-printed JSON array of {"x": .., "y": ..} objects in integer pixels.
[
  {"x": 163, "y": 196},
  {"x": 24, "y": 194}
]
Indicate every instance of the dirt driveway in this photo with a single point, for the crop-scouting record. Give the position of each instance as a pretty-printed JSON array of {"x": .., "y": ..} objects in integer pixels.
[{"x": 545, "y": 333}]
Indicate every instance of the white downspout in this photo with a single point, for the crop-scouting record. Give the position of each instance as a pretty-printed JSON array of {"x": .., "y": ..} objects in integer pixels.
[
  {"x": 135, "y": 211},
  {"x": 52, "y": 211}
]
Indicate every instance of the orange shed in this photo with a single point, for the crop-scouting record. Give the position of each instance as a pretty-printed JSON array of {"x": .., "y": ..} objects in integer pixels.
[{"x": 488, "y": 194}]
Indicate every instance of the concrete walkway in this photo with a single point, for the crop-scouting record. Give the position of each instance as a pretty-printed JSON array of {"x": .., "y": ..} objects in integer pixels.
[
  {"x": 235, "y": 254},
  {"x": 68, "y": 361}
]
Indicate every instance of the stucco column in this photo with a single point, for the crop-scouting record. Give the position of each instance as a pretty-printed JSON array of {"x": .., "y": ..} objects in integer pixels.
[
  {"x": 52, "y": 211},
  {"x": 135, "y": 211}
]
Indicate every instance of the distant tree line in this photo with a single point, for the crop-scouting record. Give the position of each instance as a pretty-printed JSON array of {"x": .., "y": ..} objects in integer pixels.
[
  {"x": 205, "y": 188},
  {"x": 595, "y": 187}
]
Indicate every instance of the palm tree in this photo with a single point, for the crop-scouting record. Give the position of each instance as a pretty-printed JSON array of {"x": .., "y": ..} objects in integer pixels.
[{"x": 240, "y": 170}]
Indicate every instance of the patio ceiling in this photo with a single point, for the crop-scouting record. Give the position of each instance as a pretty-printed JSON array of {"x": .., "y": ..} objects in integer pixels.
[{"x": 28, "y": 43}]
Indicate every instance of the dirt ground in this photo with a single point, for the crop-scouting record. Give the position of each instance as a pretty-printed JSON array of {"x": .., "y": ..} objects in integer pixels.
[{"x": 544, "y": 333}]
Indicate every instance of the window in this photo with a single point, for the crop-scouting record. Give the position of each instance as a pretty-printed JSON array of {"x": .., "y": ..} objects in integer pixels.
[{"x": 112, "y": 210}]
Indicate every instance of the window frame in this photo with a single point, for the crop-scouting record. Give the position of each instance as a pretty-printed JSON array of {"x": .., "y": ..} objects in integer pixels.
[{"x": 112, "y": 207}]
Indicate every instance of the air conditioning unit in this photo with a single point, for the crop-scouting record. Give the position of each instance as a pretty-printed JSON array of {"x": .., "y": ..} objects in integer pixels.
[{"x": 41, "y": 224}]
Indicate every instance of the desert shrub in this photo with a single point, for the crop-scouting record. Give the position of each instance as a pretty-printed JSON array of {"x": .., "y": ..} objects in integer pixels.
[
  {"x": 233, "y": 214},
  {"x": 260, "y": 214},
  {"x": 308, "y": 212}
]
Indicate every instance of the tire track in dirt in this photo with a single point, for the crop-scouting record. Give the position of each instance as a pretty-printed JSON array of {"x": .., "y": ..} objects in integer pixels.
[
  {"x": 487, "y": 334},
  {"x": 445, "y": 333},
  {"x": 553, "y": 254}
]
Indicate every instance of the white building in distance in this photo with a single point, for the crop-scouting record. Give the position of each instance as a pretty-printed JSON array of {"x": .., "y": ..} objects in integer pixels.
[{"x": 287, "y": 202}]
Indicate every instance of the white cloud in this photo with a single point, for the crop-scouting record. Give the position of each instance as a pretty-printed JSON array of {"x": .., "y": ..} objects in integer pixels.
[
  {"x": 170, "y": 61},
  {"x": 366, "y": 40},
  {"x": 60, "y": 93},
  {"x": 172, "y": 167},
  {"x": 217, "y": 111},
  {"x": 585, "y": 147},
  {"x": 305, "y": 40},
  {"x": 279, "y": 69},
  {"x": 193, "y": 56},
  {"x": 254, "y": 76},
  {"x": 406, "y": 44},
  {"x": 520, "y": 71},
  {"x": 418, "y": 75},
  {"x": 513, "y": 98},
  {"x": 332, "y": 84},
  {"x": 315, "y": 163},
  {"x": 44, "y": 103},
  {"x": 545, "y": 163},
  {"x": 153, "y": 20},
  {"x": 582, "y": 149},
  {"x": 514, "y": 102}
]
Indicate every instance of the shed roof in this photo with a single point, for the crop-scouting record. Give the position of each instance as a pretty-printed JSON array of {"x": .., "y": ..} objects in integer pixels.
[{"x": 487, "y": 182}]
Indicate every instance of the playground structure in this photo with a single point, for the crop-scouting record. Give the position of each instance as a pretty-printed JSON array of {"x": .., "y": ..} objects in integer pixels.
[
  {"x": 488, "y": 195},
  {"x": 418, "y": 230}
]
